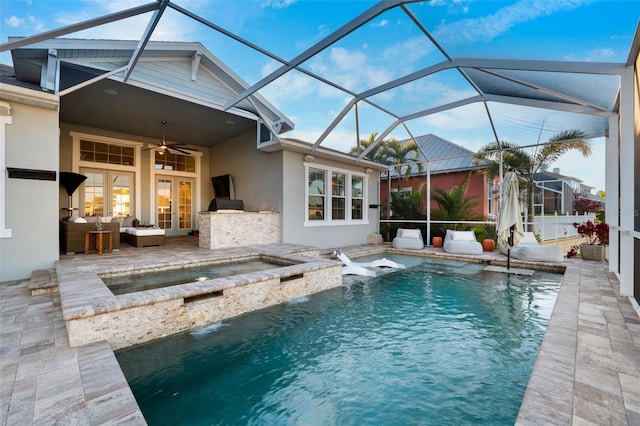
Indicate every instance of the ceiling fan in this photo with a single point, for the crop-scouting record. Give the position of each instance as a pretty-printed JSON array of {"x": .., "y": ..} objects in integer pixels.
[{"x": 164, "y": 146}]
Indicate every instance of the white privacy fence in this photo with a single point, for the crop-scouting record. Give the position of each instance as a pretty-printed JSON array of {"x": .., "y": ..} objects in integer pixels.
[{"x": 559, "y": 225}]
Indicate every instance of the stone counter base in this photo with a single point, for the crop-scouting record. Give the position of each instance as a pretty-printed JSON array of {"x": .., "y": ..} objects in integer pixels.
[{"x": 134, "y": 318}]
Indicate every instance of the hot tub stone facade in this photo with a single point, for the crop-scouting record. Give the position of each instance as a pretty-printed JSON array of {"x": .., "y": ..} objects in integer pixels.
[{"x": 92, "y": 313}]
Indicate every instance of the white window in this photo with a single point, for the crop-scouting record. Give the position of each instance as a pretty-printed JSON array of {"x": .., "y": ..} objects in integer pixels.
[{"x": 334, "y": 196}]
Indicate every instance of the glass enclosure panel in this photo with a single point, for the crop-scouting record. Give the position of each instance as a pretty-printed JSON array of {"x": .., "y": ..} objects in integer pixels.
[{"x": 164, "y": 212}]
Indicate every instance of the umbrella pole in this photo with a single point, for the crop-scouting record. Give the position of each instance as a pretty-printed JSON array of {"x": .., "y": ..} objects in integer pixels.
[{"x": 509, "y": 245}]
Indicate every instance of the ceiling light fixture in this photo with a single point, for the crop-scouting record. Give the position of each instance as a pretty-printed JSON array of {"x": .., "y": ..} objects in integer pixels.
[{"x": 111, "y": 92}]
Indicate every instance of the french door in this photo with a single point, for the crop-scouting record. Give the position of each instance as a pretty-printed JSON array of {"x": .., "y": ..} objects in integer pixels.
[
  {"x": 175, "y": 204},
  {"x": 106, "y": 193}
]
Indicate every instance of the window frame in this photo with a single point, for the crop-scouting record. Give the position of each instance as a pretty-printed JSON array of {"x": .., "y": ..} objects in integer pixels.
[{"x": 328, "y": 205}]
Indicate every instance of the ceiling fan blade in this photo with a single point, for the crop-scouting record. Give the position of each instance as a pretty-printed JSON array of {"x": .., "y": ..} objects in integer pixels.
[{"x": 172, "y": 148}]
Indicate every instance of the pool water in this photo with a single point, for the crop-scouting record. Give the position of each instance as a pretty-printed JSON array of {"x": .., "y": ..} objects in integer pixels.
[
  {"x": 134, "y": 282},
  {"x": 437, "y": 343}
]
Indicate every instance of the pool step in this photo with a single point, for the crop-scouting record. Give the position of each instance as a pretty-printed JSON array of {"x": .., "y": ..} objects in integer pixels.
[{"x": 43, "y": 281}]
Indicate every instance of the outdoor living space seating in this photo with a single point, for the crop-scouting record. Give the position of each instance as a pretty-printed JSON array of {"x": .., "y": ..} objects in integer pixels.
[
  {"x": 408, "y": 239},
  {"x": 144, "y": 237},
  {"x": 528, "y": 249},
  {"x": 461, "y": 242}
]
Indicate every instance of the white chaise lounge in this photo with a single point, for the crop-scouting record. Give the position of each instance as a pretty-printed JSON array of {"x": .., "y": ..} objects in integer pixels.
[
  {"x": 528, "y": 249},
  {"x": 408, "y": 239},
  {"x": 359, "y": 268},
  {"x": 461, "y": 242}
]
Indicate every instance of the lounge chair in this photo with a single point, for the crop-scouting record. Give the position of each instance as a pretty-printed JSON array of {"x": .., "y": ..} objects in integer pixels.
[
  {"x": 355, "y": 268},
  {"x": 379, "y": 263},
  {"x": 528, "y": 249},
  {"x": 408, "y": 239},
  {"x": 461, "y": 242}
]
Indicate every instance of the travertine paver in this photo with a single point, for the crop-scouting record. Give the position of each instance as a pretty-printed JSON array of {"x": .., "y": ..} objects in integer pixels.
[{"x": 587, "y": 372}]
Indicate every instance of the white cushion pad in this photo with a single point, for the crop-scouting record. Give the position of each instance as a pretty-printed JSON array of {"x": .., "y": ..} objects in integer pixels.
[
  {"x": 145, "y": 231},
  {"x": 463, "y": 236}
]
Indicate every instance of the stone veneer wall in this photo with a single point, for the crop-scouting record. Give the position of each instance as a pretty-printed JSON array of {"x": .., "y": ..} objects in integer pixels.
[
  {"x": 233, "y": 228},
  {"x": 153, "y": 319}
]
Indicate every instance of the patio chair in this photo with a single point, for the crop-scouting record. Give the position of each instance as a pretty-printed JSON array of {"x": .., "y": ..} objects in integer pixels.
[
  {"x": 461, "y": 242},
  {"x": 528, "y": 249},
  {"x": 408, "y": 239}
]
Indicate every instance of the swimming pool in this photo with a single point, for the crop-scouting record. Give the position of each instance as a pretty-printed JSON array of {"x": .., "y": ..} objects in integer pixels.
[{"x": 437, "y": 343}]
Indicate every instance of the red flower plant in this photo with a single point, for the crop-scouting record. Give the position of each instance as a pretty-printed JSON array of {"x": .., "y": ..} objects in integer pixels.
[{"x": 596, "y": 234}]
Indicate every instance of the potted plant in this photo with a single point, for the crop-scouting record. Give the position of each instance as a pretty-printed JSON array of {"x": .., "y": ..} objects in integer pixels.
[{"x": 597, "y": 236}]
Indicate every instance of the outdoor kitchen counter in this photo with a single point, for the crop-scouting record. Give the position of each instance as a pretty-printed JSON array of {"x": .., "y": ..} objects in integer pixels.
[{"x": 234, "y": 228}]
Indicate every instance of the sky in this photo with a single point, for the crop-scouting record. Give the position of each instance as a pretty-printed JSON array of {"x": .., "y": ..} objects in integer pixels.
[{"x": 387, "y": 47}]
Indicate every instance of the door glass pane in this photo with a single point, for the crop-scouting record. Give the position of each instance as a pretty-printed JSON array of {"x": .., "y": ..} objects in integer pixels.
[
  {"x": 184, "y": 205},
  {"x": 164, "y": 203},
  {"x": 94, "y": 194},
  {"x": 121, "y": 194}
]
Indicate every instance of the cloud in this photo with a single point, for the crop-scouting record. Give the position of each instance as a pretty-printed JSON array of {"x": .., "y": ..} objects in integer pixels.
[
  {"x": 486, "y": 28},
  {"x": 13, "y": 21},
  {"x": 172, "y": 26},
  {"x": 379, "y": 24},
  {"x": 277, "y": 4}
]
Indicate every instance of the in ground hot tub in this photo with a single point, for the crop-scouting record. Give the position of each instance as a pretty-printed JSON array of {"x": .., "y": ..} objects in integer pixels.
[{"x": 93, "y": 313}]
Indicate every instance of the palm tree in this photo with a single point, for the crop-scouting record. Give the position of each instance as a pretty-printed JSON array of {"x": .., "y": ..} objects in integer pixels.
[
  {"x": 402, "y": 156},
  {"x": 526, "y": 165},
  {"x": 454, "y": 204},
  {"x": 376, "y": 154}
]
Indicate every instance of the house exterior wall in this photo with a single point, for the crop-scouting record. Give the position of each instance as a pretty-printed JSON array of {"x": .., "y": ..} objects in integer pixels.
[
  {"x": 256, "y": 175},
  {"x": 294, "y": 230},
  {"x": 32, "y": 207},
  {"x": 478, "y": 187}
]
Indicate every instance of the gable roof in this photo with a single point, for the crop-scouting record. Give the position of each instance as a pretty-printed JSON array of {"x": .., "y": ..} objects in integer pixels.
[{"x": 178, "y": 82}]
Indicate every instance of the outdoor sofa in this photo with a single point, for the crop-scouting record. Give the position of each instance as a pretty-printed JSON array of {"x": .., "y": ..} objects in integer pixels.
[
  {"x": 528, "y": 249},
  {"x": 461, "y": 242},
  {"x": 73, "y": 234}
]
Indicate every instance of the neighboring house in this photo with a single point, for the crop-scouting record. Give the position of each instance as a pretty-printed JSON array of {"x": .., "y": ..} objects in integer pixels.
[
  {"x": 555, "y": 193},
  {"x": 449, "y": 165},
  {"x": 76, "y": 106}
]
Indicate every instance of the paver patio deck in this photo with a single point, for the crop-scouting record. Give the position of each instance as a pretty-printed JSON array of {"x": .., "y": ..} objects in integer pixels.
[{"x": 587, "y": 372}]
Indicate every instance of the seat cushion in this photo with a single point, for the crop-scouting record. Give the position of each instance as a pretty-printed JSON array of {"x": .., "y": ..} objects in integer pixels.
[{"x": 140, "y": 232}]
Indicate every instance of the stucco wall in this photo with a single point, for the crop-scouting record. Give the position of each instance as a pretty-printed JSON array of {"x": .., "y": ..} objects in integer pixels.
[
  {"x": 293, "y": 229},
  {"x": 31, "y": 205},
  {"x": 257, "y": 176}
]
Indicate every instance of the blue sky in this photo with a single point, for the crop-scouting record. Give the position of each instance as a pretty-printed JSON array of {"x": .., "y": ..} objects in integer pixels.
[{"x": 386, "y": 48}]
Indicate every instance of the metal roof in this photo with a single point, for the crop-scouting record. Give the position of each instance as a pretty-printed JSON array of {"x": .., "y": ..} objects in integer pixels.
[{"x": 444, "y": 156}]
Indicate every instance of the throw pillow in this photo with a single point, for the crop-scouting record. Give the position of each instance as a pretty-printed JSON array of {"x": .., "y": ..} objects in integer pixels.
[
  {"x": 464, "y": 236},
  {"x": 411, "y": 233},
  {"x": 119, "y": 220},
  {"x": 127, "y": 222}
]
